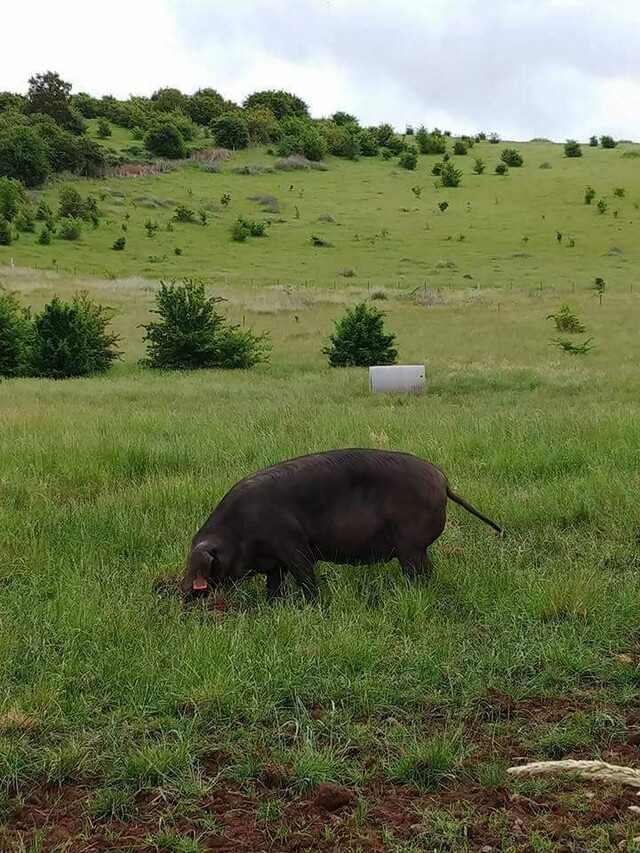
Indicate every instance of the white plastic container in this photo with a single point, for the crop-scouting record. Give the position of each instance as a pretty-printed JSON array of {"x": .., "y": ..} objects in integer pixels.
[{"x": 398, "y": 379}]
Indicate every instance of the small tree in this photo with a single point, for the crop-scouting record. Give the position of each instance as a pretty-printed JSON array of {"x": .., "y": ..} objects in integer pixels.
[
  {"x": 511, "y": 157},
  {"x": 24, "y": 155},
  {"x": 71, "y": 203},
  {"x": 494, "y": 138},
  {"x": 359, "y": 339},
  {"x": 598, "y": 288},
  {"x": 607, "y": 141},
  {"x": 119, "y": 244},
  {"x": 70, "y": 229},
  {"x": 104, "y": 128},
  {"x": 572, "y": 148},
  {"x": 230, "y": 131},
  {"x": 479, "y": 166},
  {"x": 450, "y": 176},
  {"x": 460, "y": 147},
  {"x": 589, "y": 195},
  {"x": 409, "y": 159},
  {"x": 572, "y": 347},
  {"x": 72, "y": 339},
  {"x": 502, "y": 169},
  {"x": 602, "y": 206},
  {"x": 190, "y": 334},
  {"x": 165, "y": 140},
  {"x": 593, "y": 141},
  {"x": 15, "y": 335},
  {"x": 566, "y": 321}
]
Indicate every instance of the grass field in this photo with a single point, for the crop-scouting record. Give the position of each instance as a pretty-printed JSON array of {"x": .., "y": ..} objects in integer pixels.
[{"x": 130, "y": 724}]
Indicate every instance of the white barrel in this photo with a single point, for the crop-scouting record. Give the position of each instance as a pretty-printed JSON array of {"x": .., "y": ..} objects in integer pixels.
[{"x": 398, "y": 379}]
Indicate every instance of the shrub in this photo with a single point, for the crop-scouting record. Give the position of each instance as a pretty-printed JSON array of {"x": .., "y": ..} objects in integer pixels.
[
  {"x": 502, "y": 169},
  {"x": 593, "y": 141},
  {"x": 190, "y": 334},
  {"x": 312, "y": 145},
  {"x": 443, "y": 205},
  {"x": 320, "y": 242},
  {"x": 15, "y": 335},
  {"x": 386, "y": 153},
  {"x": 44, "y": 237},
  {"x": 25, "y": 221},
  {"x": 183, "y": 213},
  {"x": 619, "y": 192},
  {"x": 566, "y": 321},
  {"x": 71, "y": 203},
  {"x": 70, "y": 228},
  {"x": 430, "y": 143},
  {"x": 408, "y": 159},
  {"x": 240, "y": 230},
  {"x": 479, "y": 166},
  {"x": 72, "y": 339},
  {"x": 450, "y": 176},
  {"x": 165, "y": 140},
  {"x": 257, "y": 227},
  {"x": 230, "y": 131},
  {"x": 511, "y": 157},
  {"x": 460, "y": 147},
  {"x": 494, "y": 138},
  {"x": 607, "y": 141},
  {"x": 151, "y": 227},
  {"x": 369, "y": 146},
  {"x": 13, "y": 198},
  {"x": 359, "y": 339},
  {"x": 44, "y": 213},
  {"x": 119, "y": 244},
  {"x": 6, "y": 231},
  {"x": 572, "y": 148},
  {"x": 24, "y": 155},
  {"x": 602, "y": 205},
  {"x": 589, "y": 195},
  {"x": 104, "y": 128}
]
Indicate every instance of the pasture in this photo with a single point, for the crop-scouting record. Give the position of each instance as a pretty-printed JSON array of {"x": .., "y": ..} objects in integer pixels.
[{"x": 129, "y": 723}]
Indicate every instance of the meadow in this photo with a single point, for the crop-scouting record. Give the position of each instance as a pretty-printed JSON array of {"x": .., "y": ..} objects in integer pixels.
[{"x": 130, "y": 723}]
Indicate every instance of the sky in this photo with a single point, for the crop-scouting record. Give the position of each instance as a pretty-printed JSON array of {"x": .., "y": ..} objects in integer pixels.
[{"x": 523, "y": 68}]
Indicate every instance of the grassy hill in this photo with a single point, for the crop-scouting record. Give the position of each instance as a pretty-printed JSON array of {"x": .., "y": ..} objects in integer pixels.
[{"x": 128, "y": 723}]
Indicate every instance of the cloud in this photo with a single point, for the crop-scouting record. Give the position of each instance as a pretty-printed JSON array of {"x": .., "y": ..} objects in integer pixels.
[{"x": 525, "y": 68}]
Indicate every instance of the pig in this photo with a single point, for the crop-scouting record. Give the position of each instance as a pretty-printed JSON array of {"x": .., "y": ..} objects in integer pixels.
[{"x": 352, "y": 506}]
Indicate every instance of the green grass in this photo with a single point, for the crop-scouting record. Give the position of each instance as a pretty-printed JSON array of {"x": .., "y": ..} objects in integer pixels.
[
  {"x": 105, "y": 480},
  {"x": 498, "y": 231}
]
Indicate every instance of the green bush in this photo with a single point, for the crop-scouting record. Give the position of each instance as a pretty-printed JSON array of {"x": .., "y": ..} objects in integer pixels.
[
  {"x": 72, "y": 339},
  {"x": 190, "y": 334},
  {"x": 359, "y": 339},
  {"x": 25, "y": 221},
  {"x": 431, "y": 143},
  {"x": 71, "y": 203},
  {"x": 450, "y": 176},
  {"x": 165, "y": 140},
  {"x": 312, "y": 145},
  {"x": 369, "y": 146},
  {"x": 184, "y": 213},
  {"x": 602, "y": 205},
  {"x": 502, "y": 169},
  {"x": 572, "y": 148},
  {"x": 511, "y": 157},
  {"x": 460, "y": 147},
  {"x": 593, "y": 141},
  {"x": 70, "y": 228},
  {"x": 104, "y": 128},
  {"x": 23, "y": 154},
  {"x": 607, "y": 141},
  {"x": 15, "y": 335},
  {"x": 589, "y": 195},
  {"x": 230, "y": 131},
  {"x": 409, "y": 159},
  {"x": 44, "y": 237},
  {"x": 44, "y": 213},
  {"x": 479, "y": 166},
  {"x": 240, "y": 230},
  {"x": 13, "y": 198},
  {"x": 6, "y": 231},
  {"x": 119, "y": 244}
]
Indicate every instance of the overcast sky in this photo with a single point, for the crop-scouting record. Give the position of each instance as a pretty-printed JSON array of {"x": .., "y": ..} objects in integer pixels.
[{"x": 524, "y": 68}]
